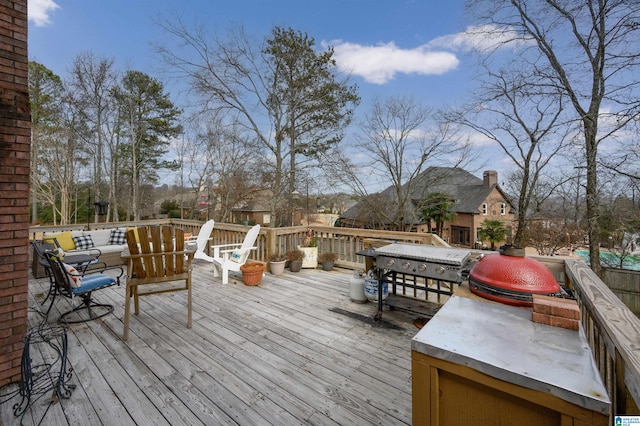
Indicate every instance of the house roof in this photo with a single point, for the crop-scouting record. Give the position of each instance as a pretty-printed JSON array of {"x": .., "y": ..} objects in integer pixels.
[
  {"x": 259, "y": 201},
  {"x": 468, "y": 191}
]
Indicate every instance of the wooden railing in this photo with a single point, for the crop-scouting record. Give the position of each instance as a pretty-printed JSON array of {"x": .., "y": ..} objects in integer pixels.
[
  {"x": 345, "y": 242},
  {"x": 612, "y": 329},
  {"x": 613, "y": 332}
]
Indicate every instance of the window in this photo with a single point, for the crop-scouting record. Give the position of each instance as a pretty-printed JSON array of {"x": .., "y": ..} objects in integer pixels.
[
  {"x": 484, "y": 209},
  {"x": 503, "y": 208},
  {"x": 460, "y": 235}
]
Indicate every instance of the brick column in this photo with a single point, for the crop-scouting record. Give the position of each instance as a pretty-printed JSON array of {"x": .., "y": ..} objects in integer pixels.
[{"x": 15, "y": 139}]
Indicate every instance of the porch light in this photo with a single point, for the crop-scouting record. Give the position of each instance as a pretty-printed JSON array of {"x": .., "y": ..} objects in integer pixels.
[{"x": 101, "y": 207}]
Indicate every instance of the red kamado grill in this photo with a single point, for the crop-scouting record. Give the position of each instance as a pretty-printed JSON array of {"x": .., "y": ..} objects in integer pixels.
[{"x": 512, "y": 278}]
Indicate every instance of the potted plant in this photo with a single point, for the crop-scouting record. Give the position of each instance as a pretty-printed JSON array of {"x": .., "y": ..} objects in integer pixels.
[
  {"x": 276, "y": 264},
  {"x": 252, "y": 272},
  {"x": 327, "y": 259},
  {"x": 295, "y": 260},
  {"x": 310, "y": 248}
]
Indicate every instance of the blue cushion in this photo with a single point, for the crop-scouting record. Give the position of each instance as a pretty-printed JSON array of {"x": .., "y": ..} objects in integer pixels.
[{"x": 94, "y": 282}]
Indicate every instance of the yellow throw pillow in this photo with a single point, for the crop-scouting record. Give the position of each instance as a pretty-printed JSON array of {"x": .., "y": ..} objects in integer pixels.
[
  {"x": 135, "y": 231},
  {"x": 64, "y": 239}
]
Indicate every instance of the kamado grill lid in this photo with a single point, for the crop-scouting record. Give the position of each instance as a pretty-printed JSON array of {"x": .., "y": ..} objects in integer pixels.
[{"x": 510, "y": 277}]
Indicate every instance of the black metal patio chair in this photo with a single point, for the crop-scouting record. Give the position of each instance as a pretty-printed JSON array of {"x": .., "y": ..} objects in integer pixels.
[
  {"x": 79, "y": 261},
  {"x": 71, "y": 283}
]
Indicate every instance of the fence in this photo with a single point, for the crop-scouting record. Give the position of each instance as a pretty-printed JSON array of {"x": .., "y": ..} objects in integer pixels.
[
  {"x": 613, "y": 332},
  {"x": 626, "y": 285}
]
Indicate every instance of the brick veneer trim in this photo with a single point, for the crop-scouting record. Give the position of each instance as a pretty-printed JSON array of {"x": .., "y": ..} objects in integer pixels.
[
  {"x": 555, "y": 321},
  {"x": 556, "y": 306}
]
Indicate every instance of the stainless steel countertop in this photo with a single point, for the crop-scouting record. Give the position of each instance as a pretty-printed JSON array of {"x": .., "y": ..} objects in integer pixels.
[{"x": 502, "y": 341}]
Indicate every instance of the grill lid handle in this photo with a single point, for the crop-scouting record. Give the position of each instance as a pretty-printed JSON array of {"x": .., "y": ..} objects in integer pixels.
[{"x": 511, "y": 250}]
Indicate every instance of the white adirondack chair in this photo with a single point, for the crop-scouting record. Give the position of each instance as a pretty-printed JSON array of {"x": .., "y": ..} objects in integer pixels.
[
  {"x": 229, "y": 257},
  {"x": 202, "y": 239}
]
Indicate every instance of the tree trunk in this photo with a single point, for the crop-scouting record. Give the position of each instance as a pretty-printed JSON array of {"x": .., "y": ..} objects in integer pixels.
[{"x": 592, "y": 194}]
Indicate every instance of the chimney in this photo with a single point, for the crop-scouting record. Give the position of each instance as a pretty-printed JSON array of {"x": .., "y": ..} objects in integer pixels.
[{"x": 490, "y": 178}]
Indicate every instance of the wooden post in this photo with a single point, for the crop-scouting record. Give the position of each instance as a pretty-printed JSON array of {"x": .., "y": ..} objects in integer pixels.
[{"x": 272, "y": 241}]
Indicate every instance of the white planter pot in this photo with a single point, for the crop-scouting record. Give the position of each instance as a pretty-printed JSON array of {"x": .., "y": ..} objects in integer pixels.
[
  {"x": 310, "y": 257},
  {"x": 277, "y": 268}
]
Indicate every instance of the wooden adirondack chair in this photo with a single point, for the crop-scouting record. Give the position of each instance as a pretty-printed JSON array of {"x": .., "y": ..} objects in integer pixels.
[{"x": 157, "y": 255}]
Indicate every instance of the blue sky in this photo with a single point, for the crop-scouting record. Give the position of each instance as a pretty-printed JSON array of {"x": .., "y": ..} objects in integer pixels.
[
  {"x": 365, "y": 33},
  {"x": 391, "y": 47}
]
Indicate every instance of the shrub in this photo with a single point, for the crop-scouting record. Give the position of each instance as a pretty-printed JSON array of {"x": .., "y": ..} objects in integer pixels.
[
  {"x": 327, "y": 257},
  {"x": 295, "y": 255},
  {"x": 277, "y": 258}
]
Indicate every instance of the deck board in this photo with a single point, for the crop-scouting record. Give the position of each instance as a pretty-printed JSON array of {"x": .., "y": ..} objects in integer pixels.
[{"x": 271, "y": 354}]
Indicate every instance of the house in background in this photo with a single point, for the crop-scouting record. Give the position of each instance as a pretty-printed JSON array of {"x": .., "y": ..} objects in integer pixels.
[
  {"x": 474, "y": 200},
  {"x": 253, "y": 213},
  {"x": 302, "y": 210}
]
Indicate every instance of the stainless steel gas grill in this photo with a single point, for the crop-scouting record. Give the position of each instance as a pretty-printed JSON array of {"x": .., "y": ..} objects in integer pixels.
[
  {"x": 439, "y": 263},
  {"x": 418, "y": 267}
]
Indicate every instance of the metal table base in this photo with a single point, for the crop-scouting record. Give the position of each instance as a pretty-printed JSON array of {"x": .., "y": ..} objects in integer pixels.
[{"x": 51, "y": 375}]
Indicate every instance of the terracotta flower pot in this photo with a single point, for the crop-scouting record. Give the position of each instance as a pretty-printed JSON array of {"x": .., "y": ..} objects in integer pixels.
[{"x": 252, "y": 273}]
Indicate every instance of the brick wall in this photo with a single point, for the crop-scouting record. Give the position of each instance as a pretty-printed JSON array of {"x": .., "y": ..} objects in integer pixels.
[{"x": 15, "y": 137}]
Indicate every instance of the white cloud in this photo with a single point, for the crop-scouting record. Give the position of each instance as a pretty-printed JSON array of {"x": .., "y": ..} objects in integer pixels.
[
  {"x": 39, "y": 11},
  {"x": 481, "y": 38},
  {"x": 476, "y": 139},
  {"x": 379, "y": 64}
]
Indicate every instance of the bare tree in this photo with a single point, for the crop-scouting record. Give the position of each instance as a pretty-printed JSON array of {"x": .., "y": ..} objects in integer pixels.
[
  {"x": 397, "y": 141},
  {"x": 92, "y": 80},
  {"x": 62, "y": 159},
  {"x": 550, "y": 235},
  {"x": 624, "y": 160},
  {"x": 57, "y": 154},
  {"x": 589, "y": 52},
  {"x": 283, "y": 92},
  {"x": 527, "y": 124},
  {"x": 45, "y": 92},
  {"x": 223, "y": 158},
  {"x": 620, "y": 221}
]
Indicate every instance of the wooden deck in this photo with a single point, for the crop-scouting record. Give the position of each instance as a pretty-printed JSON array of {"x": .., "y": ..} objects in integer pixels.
[{"x": 290, "y": 351}]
